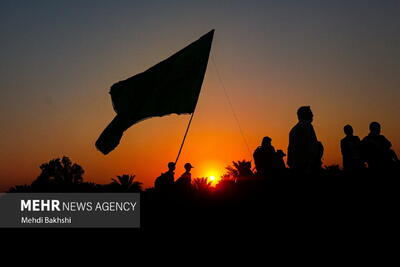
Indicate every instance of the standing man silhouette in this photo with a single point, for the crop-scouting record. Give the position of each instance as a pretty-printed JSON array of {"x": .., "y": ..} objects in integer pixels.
[
  {"x": 185, "y": 181},
  {"x": 350, "y": 147},
  {"x": 165, "y": 181},
  {"x": 304, "y": 150}
]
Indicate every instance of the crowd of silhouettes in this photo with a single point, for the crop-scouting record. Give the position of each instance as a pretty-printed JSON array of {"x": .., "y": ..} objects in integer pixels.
[
  {"x": 304, "y": 159},
  {"x": 305, "y": 151},
  {"x": 166, "y": 181},
  {"x": 373, "y": 151},
  {"x": 303, "y": 189}
]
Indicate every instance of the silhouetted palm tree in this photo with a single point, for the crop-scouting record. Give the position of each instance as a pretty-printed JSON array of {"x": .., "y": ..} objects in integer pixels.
[
  {"x": 202, "y": 184},
  {"x": 240, "y": 169},
  {"x": 125, "y": 183},
  {"x": 59, "y": 172}
]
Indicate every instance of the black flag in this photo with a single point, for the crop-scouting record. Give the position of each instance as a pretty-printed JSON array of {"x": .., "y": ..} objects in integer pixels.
[{"x": 171, "y": 86}]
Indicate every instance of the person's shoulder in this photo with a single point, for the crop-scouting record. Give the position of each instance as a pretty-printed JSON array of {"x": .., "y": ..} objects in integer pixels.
[
  {"x": 304, "y": 125},
  {"x": 183, "y": 175},
  {"x": 383, "y": 138},
  {"x": 296, "y": 127},
  {"x": 345, "y": 138},
  {"x": 168, "y": 174},
  {"x": 366, "y": 138},
  {"x": 258, "y": 150}
]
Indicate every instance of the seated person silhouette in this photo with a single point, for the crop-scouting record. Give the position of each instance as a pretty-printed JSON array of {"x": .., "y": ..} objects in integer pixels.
[
  {"x": 267, "y": 160},
  {"x": 185, "y": 181},
  {"x": 304, "y": 151},
  {"x": 166, "y": 180},
  {"x": 350, "y": 147},
  {"x": 376, "y": 149}
]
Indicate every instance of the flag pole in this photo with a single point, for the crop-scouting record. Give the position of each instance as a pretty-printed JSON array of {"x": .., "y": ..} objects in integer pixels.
[
  {"x": 191, "y": 117},
  {"x": 184, "y": 137}
]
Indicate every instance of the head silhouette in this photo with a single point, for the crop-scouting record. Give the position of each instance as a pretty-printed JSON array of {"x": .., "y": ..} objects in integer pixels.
[
  {"x": 266, "y": 141},
  {"x": 171, "y": 166},
  {"x": 305, "y": 114},
  {"x": 348, "y": 130},
  {"x": 375, "y": 128},
  {"x": 280, "y": 153},
  {"x": 188, "y": 167}
]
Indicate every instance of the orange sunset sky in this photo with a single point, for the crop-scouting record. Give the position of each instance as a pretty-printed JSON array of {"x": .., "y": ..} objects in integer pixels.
[{"x": 59, "y": 59}]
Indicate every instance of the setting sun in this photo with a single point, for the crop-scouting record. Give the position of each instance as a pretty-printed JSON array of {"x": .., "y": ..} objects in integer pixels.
[
  {"x": 211, "y": 169},
  {"x": 213, "y": 179}
]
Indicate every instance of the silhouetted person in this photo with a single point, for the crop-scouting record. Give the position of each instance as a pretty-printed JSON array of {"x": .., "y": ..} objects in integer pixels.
[
  {"x": 166, "y": 180},
  {"x": 376, "y": 149},
  {"x": 267, "y": 160},
  {"x": 279, "y": 159},
  {"x": 304, "y": 150},
  {"x": 185, "y": 181},
  {"x": 350, "y": 147}
]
